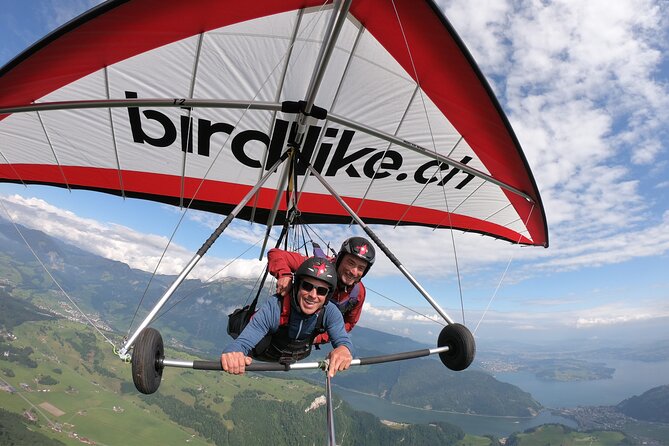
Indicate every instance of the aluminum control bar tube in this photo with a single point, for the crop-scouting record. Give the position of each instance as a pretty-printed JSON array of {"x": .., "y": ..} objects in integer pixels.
[
  {"x": 258, "y": 366},
  {"x": 335, "y": 24},
  {"x": 381, "y": 245},
  {"x": 330, "y": 413},
  {"x": 123, "y": 353}
]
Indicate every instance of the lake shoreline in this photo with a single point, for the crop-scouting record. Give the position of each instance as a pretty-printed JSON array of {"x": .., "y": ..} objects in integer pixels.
[
  {"x": 475, "y": 424},
  {"x": 630, "y": 378},
  {"x": 434, "y": 410}
]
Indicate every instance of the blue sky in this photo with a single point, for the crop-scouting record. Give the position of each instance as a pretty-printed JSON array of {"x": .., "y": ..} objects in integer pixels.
[{"x": 585, "y": 86}]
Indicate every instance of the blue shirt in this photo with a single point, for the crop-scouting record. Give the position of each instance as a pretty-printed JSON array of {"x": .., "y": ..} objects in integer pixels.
[{"x": 300, "y": 326}]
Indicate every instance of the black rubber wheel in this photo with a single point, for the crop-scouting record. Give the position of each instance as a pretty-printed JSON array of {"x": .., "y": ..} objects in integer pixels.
[
  {"x": 461, "y": 347},
  {"x": 146, "y": 369}
]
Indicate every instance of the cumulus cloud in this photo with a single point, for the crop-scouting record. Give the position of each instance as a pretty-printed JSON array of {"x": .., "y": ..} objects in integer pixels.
[
  {"x": 590, "y": 322},
  {"x": 382, "y": 315},
  {"x": 139, "y": 250},
  {"x": 583, "y": 86}
]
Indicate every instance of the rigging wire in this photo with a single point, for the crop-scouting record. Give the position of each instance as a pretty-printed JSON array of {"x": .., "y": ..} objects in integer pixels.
[
  {"x": 434, "y": 148},
  {"x": 438, "y": 321},
  {"x": 302, "y": 233},
  {"x": 210, "y": 280},
  {"x": 88, "y": 319},
  {"x": 155, "y": 271},
  {"x": 499, "y": 284},
  {"x": 327, "y": 246}
]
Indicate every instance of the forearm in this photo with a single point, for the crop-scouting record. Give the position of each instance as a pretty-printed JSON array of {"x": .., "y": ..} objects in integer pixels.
[
  {"x": 261, "y": 324},
  {"x": 283, "y": 263}
]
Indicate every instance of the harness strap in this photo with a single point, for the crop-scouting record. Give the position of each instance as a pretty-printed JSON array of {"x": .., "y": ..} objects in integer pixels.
[
  {"x": 285, "y": 316},
  {"x": 285, "y": 309},
  {"x": 352, "y": 300}
]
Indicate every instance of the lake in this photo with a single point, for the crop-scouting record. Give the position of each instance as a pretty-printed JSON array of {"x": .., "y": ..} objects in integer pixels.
[
  {"x": 630, "y": 378},
  {"x": 472, "y": 424}
]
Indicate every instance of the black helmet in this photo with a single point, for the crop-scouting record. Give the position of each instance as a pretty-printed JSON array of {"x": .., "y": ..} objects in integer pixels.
[
  {"x": 359, "y": 247},
  {"x": 317, "y": 268}
]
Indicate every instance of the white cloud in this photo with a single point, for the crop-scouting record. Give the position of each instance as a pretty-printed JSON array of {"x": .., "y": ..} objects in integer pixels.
[
  {"x": 590, "y": 322},
  {"x": 556, "y": 321},
  {"x": 488, "y": 15},
  {"x": 388, "y": 314},
  {"x": 116, "y": 242},
  {"x": 619, "y": 315},
  {"x": 583, "y": 86},
  {"x": 382, "y": 315}
]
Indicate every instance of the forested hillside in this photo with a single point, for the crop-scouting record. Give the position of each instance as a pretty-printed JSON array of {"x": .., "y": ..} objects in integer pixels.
[
  {"x": 64, "y": 383},
  {"x": 652, "y": 405},
  {"x": 110, "y": 290}
]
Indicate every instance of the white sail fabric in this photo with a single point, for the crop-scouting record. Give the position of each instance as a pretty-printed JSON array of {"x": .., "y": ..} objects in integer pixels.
[{"x": 399, "y": 71}]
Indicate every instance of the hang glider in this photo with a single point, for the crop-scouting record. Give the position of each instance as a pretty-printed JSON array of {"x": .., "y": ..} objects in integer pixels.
[
  {"x": 174, "y": 101},
  {"x": 370, "y": 111}
]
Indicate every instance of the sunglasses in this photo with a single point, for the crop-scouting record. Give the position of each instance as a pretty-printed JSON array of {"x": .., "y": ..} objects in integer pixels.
[{"x": 320, "y": 290}]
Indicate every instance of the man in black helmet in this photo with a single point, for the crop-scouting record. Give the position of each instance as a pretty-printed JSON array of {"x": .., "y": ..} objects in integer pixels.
[
  {"x": 284, "y": 328},
  {"x": 353, "y": 261}
]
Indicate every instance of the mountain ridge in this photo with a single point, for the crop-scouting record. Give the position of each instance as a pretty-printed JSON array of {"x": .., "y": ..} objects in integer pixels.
[{"x": 199, "y": 324}]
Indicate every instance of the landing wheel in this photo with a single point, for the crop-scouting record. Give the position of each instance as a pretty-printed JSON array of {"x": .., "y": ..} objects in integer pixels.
[
  {"x": 461, "y": 347},
  {"x": 146, "y": 368}
]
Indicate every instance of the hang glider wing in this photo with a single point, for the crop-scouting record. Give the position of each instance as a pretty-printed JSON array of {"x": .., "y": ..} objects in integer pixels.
[{"x": 171, "y": 101}]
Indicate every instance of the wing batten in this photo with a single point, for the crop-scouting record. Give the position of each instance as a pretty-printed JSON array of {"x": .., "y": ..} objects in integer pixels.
[
  {"x": 110, "y": 116},
  {"x": 425, "y": 27},
  {"x": 383, "y": 157},
  {"x": 52, "y": 148}
]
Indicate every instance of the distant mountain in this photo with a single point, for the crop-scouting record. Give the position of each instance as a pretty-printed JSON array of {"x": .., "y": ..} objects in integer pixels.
[
  {"x": 370, "y": 342},
  {"x": 196, "y": 315},
  {"x": 652, "y": 405},
  {"x": 428, "y": 384},
  {"x": 198, "y": 322}
]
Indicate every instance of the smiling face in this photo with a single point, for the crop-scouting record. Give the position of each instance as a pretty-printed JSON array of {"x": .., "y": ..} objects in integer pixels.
[
  {"x": 311, "y": 295},
  {"x": 351, "y": 269}
]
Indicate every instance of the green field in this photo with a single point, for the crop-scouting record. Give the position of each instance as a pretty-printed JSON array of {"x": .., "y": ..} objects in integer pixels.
[
  {"x": 77, "y": 388},
  {"x": 555, "y": 435},
  {"x": 656, "y": 431},
  {"x": 88, "y": 401}
]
